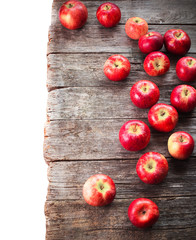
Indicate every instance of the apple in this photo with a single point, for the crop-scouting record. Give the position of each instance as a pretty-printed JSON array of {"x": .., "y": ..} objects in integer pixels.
[
  {"x": 143, "y": 212},
  {"x": 183, "y": 98},
  {"x": 134, "y": 135},
  {"x": 117, "y": 67},
  {"x": 73, "y": 14},
  {"x": 156, "y": 64},
  {"x": 186, "y": 69},
  {"x": 144, "y": 94},
  {"x": 108, "y": 14},
  {"x": 99, "y": 190},
  {"x": 177, "y": 41},
  {"x": 150, "y": 42},
  {"x": 163, "y": 117},
  {"x": 152, "y": 168},
  {"x": 180, "y": 145},
  {"x": 136, "y": 27}
]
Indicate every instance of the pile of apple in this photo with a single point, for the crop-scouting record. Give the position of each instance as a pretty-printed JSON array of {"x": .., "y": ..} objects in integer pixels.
[{"x": 134, "y": 135}]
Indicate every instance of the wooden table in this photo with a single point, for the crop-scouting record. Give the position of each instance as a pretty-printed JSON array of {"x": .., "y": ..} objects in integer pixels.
[{"x": 84, "y": 114}]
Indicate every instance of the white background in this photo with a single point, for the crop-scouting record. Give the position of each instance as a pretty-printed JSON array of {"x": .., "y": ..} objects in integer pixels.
[{"x": 23, "y": 71}]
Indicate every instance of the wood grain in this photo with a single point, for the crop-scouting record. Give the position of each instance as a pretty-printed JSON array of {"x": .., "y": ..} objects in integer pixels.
[
  {"x": 98, "y": 139},
  {"x": 84, "y": 114},
  {"x": 164, "y": 12},
  {"x": 98, "y": 103},
  {"x": 95, "y": 39},
  {"x": 77, "y": 220},
  {"x": 66, "y": 179},
  {"x": 86, "y": 70}
]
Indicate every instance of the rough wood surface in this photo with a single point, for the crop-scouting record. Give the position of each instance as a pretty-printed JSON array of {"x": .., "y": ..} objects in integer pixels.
[
  {"x": 153, "y": 11},
  {"x": 95, "y": 39},
  {"x": 74, "y": 220},
  {"x": 64, "y": 176},
  {"x": 84, "y": 114},
  {"x": 98, "y": 103},
  {"x": 98, "y": 139},
  {"x": 86, "y": 70}
]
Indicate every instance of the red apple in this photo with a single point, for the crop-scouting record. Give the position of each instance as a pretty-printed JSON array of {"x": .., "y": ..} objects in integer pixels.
[
  {"x": 186, "y": 69},
  {"x": 99, "y": 190},
  {"x": 180, "y": 145},
  {"x": 163, "y": 117},
  {"x": 73, "y": 14},
  {"x": 134, "y": 135},
  {"x": 183, "y": 98},
  {"x": 177, "y": 41},
  {"x": 144, "y": 94},
  {"x": 156, "y": 64},
  {"x": 143, "y": 212},
  {"x": 108, "y": 14},
  {"x": 150, "y": 42},
  {"x": 152, "y": 168},
  {"x": 117, "y": 67},
  {"x": 136, "y": 27}
]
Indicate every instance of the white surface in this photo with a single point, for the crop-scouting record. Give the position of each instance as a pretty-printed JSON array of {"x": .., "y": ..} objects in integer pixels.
[{"x": 23, "y": 172}]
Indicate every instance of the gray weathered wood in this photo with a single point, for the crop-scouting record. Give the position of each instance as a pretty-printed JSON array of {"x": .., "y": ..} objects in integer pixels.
[
  {"x": 86, "y": 70},
  {"x": 84, "y": 114},
  {"x": 98, "y": 139},
  {"x": 98, "y": 103},
  {"x": 66, "y": 175},
  {"x": 153, "y": 11},
  {"x": 95, "y": 39},
  {"x": 77, "y": 220}
]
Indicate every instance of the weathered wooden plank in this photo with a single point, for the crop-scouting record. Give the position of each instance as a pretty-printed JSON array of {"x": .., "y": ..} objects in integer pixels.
[
  {"x": 95, "y": 39},
  {"x": 86, "y": 70},
  {"x": 164, "y": 12},
  {"x": 98, "y": 139},
  {"x": 77, "y": 220},
  {"x": 84, "y": 118},
  {"x": 98, "y": 103},
  {"x": 66, "y": 179}
]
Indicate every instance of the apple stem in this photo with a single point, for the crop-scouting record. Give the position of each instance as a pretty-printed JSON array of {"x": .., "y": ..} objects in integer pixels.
[
  {"x": 162, "y": 114},
  {"x": 186, "y": 92},
  {"x": 150, "y": 166},
  {"x": 101, "y": 187},
  {"x": 181, "y": 138},
  {"x": 178, "y": 34},
  {"x": 116, "y": 65},
  {"x": 135, "y": 128},
  {"x": 70, "y": 5},
  {"x": 143, "y": 212}
]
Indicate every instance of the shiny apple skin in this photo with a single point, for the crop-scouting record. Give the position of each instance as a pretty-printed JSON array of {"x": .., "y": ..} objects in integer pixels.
[
  {"x": 180, "y": 145},
  {"x": 117, "y": 72},
  {"x": 136, "y": 27},
  {"x": 183, "y": 98},
  {"x": 150, "y": 42},
  {"x": 156, "y": 64},
  {"x": 134, "y": 135},
  {"x": 108, "y": 17},
  {"x": 165, "y": 123},
  {"x": 186, "y": 69},
  {"x": 143, "y": 213},
  {"x": 74, "y": 17},
  {"x": 152, "y": 168},
  {"x": 94, "y": 195},
  {"x": 144, "y": 94},
  {"x": 177, "y": 45}
]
